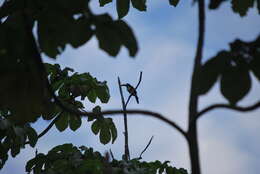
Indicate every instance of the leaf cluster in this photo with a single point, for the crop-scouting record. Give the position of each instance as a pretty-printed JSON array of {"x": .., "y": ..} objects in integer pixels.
[
  {"x": 233, "y": 67},
  {"x": 69, "y": 159},
  {"x": 14, "y": 137},
  {"x": 240, "y": 7}
]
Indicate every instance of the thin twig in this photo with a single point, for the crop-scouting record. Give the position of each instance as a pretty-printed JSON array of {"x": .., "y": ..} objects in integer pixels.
[
  {"x": 127, "y": 153},
  {"x": 140, "y": 79},
  {"x": 227, "y": 106},
  {"x": 47, "y": 128},
  {"x": 111, "y": 153},
  {"x": 140, "y": 156}
]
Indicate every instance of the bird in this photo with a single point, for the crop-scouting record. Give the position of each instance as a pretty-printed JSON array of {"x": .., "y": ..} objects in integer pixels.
[{"x": 131, "y": 91}]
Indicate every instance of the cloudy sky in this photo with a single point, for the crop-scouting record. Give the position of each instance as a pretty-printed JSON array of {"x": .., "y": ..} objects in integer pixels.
[{"x": 229, "y": 141}]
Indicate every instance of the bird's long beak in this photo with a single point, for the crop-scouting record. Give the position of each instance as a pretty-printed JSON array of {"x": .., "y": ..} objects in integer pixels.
[{"x": 123, "y": 85}]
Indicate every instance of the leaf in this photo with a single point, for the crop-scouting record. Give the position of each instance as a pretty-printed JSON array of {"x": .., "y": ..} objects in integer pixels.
[
  {"x": 108, "y": 39},
  {"x": 104, "y": 135},
  {"x": 104, "y": 2},
  {"x": 214, "y": 4},
  {"x": 32, "y": 136},
  {"x": 235, "y": 83},
  {"x": 127, "y": 37},
  {"x": 139, "y": 4},
  {"x": 74, "y": 122},
  {"x": 210, "y": 72},
  {"x": 242, "y": 7},
  {"x": 113, "y": 131},
  {"x": 15, "y": 150},
  {"x": 103, "y": 93},
  {"x": 63, "y": 122},
  {"x": 122, "y": 7},
  {"x": 92, "y": 96},
  {"x": 254, "y": 65},
  {"x": 96, "y": 126},
  {"x": 258, "y": 6},
  {"x": 174, "y": 2}
]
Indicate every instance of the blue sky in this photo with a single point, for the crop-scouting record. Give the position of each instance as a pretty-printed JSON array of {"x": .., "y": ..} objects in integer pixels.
[{"x": 229, "y": 141}]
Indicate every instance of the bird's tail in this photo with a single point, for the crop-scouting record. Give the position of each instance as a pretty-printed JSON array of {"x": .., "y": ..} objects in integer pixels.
[{"x": 137, "y": 99}]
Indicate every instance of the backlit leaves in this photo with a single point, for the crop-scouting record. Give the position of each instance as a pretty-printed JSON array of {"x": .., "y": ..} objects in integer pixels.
[
  {"x": 174, "y": 2},
  {"x": 210, "y": 72},
  {"x": 235, "y": 83},
  {"x": 122, "y": 7},
  {"x": 113, "y": 34},
  {"x": 233, "y": 68},
  {"x": 104, "y": 127},
  {"x": 240, "y": 7},
  {"x": 70, "y": 159}
]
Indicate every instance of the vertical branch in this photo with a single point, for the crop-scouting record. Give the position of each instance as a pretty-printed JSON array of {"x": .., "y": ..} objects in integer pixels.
[
  {"x": 193, "y": 105},
  {"x": 127, "y": 154}
]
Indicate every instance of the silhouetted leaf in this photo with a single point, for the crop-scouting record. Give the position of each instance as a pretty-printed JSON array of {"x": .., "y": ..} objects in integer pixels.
[
  {"x": 235, "y": 83},
  {"x": 122, "y": 7},
  {"x": 104, "y": 2},
  {"x": 96, "y": 126},
  {"x": 113, "y": 130},
  {"x": 174, "y": 2},
  {"x": 74, "y": 122},
  {"x": 104, "y": 134},
  {"x": 63, "y": 122},
  {"x": 127, "y": 37},
  {"x": 242, "y": 7},
  {"x": 32, "y": 136},
  {"x": 108, "y": 39},
  {"x": 139, "y": 4},
  {"x": 258, "y": 6},
  {"x": 214, "y": 4},
  {"x": 255, "y": 66},
  {"x": 210, "y": 72}
]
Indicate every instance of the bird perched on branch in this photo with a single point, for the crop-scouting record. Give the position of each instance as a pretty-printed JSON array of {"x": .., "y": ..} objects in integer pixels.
[{"x": 131, "y": 91}]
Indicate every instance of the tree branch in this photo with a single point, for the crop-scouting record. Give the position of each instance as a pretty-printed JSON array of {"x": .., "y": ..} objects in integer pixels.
[
  {"x": 227, "y": 106},
  {"x": 127, "y": 154},
  {"x": 193, "y": 103},
  {"x": 47, "y": 128},
  {"x": 140, "y": 156}
]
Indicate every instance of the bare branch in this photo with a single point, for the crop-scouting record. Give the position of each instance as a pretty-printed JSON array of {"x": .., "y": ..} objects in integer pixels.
[
  {"x": 227, "y": 106},
  {"x": 127, "y": 154},
  {"x": 140, "y": 157},
  {"x": 140, "y": 79},
  {"x": 47, "y": 128}
]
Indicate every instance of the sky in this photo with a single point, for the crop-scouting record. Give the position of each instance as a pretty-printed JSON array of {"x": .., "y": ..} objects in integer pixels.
[{"x": 229, "y": 141}]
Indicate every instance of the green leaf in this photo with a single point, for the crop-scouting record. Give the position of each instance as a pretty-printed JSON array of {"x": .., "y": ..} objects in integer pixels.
[
  {"x": 103, "y": 93},
  {"x": 210, "y": 72},
  {"x": 242, "y": 7},
  {"x": 235, "y": 83},
  {"x": 92, "y": 96},
  {"x": 32, "y": 136},
  {"x": 96, "y": 126},
  {"x": 122, "y": 7},
  {"x": 104, "y": 2},
  {"x": 113, "y": 131},
  {"x": 104, "y": 135},
  {"x": 139, "y": 4},
  {"x": 63, "y": 122},
  {"x": 174, "y": 2},
  {"x": 74, "y": 122}
]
